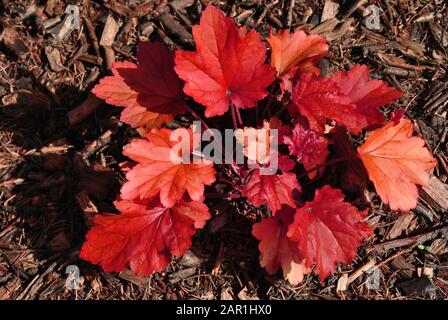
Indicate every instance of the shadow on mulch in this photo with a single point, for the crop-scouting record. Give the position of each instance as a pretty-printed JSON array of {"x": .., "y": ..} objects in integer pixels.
[{"x": 54, "y": 179}]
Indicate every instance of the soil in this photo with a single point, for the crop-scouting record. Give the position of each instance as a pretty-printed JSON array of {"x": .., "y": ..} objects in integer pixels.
[{"x": 61, "y": 161}]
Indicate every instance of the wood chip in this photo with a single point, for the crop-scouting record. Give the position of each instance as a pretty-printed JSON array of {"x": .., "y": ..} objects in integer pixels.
[
  {"x": 439, "y": 246},
  {"x": 54, "y": 59},
  {"x": 63, "y": 30},
  {"x": 87, "y": 206},
  {"x": 326, "y": 26},
  {"x": 342, "y": 283},
  {"x": 175, "y": 29},
  {"x": 13, "y": 41},
  {"x": 438, "y": 33},
  {"x": 244, "y": 295},
  {"x": 181, "y": 4},
  {"x": 401, "y": 224},
  {"x": 109, "y": 32},
  {"x": 182, "y": 274},
  {"x": 189, "y": 259},
  {"x": 436, "y": 194},
  {"x": 404, "y": 267},
  {"x": 129, "y": 276},
  {"x": 226, "y": 294},
  {"x": 330, "y": 10}
]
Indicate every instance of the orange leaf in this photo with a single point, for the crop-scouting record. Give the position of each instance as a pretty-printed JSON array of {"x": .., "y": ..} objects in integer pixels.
[
  {"x": 161, "y": 170},
  {"x": 297, "y": 49},
  {"x": 396, "y": 163}
]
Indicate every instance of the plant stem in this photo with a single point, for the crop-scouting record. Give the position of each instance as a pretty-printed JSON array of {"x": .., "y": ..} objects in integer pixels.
[
  {"x": 197, "y": 117},
  {"x": 235, "y": 123},
  {"x": 238, "y": 116},
  {"x": 337, "y": 160},
  {"x": 224, "y": 196},
  {"x": 279, "y": 112},
  {"x": 267, "y": 107},
  {"x": 206, "y": 127}
]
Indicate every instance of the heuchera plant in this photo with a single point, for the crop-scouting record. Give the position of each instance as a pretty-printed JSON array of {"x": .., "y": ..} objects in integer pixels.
[{"x": 162, "y": 202}]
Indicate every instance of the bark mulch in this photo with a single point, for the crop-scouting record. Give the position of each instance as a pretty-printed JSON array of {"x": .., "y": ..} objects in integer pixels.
[{"x": 60, "y": 149}]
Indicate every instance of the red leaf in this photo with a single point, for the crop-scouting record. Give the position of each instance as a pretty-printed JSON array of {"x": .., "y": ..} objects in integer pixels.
[
  {"x": 151, "y": 92},
  {"x": 144, "y": 236},
  {"x": 319, "y": 100},
  {"x": 350, "y": 99},
  {"x": 276, "y": 250},
  {"x": 160, "y": 170},
  {"x": 272, "y": 190},
  {"x": 366, "y": 94},
  {"x": 227, "y": 66},
  {"x": 309, "y": 147},
  {"x": 328, "y": 230},
  {"x": 396, "y": 163}
]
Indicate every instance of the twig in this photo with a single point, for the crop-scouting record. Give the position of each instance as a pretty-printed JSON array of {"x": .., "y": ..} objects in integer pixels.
[
  {"x": 85, "y": 109},
  {"x": 82, "y": 49},
  {"x": 353, "y": 8},
  {"x": 358, "y": 272},
  {"x": 94, "y": 39},
  {"x": 412, "y": 240},
  {"x": 97, "y": 144},
  {"x": 290, "y": 11}
]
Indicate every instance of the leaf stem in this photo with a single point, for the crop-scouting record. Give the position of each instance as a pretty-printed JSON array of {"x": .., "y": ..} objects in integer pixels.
[
  {"x": 206, "y": 127},
  {"x": 238, "y": 116},
  {"x": 197, "y": 117},
  {"x": 235, "y": 123},
  {"x": 279, "y": 112},
  {"x": 328, "y": 163},
  {"x": 224, "y": 196}
]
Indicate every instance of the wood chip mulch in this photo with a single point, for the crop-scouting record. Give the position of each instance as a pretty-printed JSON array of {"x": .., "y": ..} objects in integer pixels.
[{"x": 61, "y": 162}]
